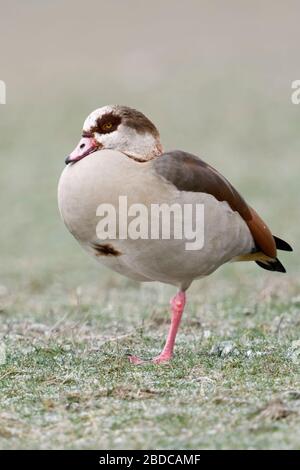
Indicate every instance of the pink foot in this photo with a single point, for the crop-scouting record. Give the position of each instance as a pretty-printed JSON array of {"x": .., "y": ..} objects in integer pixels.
[
  {"x": 156, "y": 360},
  {"x": 136, "y": 360},
  {"x": 161, "y": 359}
]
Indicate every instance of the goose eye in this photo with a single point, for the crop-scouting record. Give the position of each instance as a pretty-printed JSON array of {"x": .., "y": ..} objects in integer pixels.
[{"x": 107, "y": 126}]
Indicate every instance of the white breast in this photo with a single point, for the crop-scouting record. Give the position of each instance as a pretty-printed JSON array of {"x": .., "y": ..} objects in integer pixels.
[{"x": 103, "y": 176}]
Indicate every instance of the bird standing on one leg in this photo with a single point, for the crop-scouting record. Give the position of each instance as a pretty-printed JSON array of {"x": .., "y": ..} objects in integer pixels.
[
  {"x": 120, "y": 154},
  {"x": 177, "y": 307}
]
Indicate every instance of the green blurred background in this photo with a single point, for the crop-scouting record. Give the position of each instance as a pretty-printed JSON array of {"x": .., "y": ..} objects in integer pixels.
[{"x": 215, "y": 77}]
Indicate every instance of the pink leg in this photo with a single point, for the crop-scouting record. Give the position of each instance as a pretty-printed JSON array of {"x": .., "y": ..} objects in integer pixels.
[{"x": 177, "y": 306}]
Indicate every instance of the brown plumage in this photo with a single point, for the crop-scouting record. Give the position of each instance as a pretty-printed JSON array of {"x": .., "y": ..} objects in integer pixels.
[
  {"x": 189, "y": 173},
  {"x": 105, "y": 249}
]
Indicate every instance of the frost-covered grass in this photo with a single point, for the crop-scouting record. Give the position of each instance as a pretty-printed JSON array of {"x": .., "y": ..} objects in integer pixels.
[{"x": 66, "y": 381}]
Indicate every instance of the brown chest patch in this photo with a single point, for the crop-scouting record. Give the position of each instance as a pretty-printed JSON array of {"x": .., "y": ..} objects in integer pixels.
[{"x": 105, "y": 249}]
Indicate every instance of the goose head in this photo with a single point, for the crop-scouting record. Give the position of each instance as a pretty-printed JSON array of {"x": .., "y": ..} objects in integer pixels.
[{"x": 119, "y": 128}]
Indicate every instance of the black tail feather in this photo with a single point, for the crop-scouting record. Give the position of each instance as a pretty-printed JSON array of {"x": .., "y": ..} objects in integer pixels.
[
  {"x": 272, "y": 265},
  {"x": 282, "y": 245}
]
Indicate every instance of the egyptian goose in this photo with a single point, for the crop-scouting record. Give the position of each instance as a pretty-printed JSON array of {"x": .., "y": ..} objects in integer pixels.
[{"x": 120, "y": 154}]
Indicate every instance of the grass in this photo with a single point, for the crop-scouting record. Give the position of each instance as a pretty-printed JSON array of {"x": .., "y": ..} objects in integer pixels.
[
  {"x": 66, "y": 324},
  {"x": 67, "y": 383}
]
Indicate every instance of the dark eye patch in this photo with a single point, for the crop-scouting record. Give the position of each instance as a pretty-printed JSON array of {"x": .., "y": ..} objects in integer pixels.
[{"x": 107, "y": 120}]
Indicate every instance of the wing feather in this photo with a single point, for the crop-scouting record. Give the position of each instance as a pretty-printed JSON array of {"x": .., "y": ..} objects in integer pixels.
[{"x": 189, "y": 173}]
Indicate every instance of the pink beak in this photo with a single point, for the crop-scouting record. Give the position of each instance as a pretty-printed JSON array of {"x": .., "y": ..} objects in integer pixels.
[{"x": 86, "y": 146}]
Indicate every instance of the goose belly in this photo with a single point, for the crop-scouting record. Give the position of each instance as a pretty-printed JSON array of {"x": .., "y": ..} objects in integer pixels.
[{"x": 224, "y": 234}]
